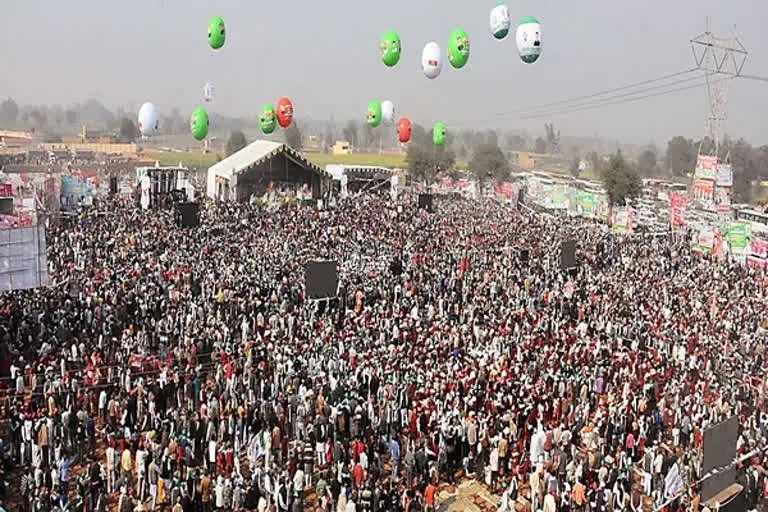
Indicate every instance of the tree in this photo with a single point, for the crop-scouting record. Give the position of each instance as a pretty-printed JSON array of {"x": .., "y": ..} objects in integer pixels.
[
  {"x": 680, "y": 157},
  {"x": 553, "y": 138},
  {"x": 515, "y": 143},
  {"x": 39, "y": 118},
  {"x": 365, "y": 137},
  {"x": 293, "y": 136},
  {"x": 489, "y": 162},
  {"x": 128, "y": 130},
  {"x": 595, "y": 162},
  {"x": 71, "y": 116},
  {"x": 491, "y": 137},
  {"x": 647, "y": 164},
  {"x": 620, "y": 180},
  {"x": 746, "y": 162},
  {"x": 540, "y": 146},
  {"x": 350, "y": 133},
  {"x": 329, "y": 134},
  {"x": 574, "y": 168},
  {"x": 236, "y": 142},
  {"x": 9, "y": 112},
  {"x": 424, "y": 158},
  {"x": 466, "y": 139}
]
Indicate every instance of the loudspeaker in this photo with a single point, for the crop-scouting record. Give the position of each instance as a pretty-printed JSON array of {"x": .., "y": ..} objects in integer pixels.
[
  {"x": 524, "y": 255},
  {"x": 425, "y": 202},
  {"x": 321, "y": 279},
  {"x": 396, "y": 267},
  {"x": 6, "y": 205},
  {"x": 568, "y": 255},
  {"x": 113, "y": 186},
  {"x": 719, "y": 451},
  {"x": 187, "y": 215}
]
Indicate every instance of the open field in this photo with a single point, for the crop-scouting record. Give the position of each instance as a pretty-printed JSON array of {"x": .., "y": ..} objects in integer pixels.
[
  {"x": 186, "y": 158},
  {"x": 396, "y": 161},
  {"x": 323, "y": 159},
  {"x": 199, "y": 159}
]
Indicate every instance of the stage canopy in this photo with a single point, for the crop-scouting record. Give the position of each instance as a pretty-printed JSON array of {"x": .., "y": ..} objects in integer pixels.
[{"x": 261, "y": 165}]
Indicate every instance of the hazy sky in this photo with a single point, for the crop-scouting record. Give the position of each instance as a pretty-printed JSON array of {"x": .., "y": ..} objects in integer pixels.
[{"x": 325, "y": 56}]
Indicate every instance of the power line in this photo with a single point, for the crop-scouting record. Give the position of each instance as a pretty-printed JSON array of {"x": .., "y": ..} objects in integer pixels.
[
  {"x": 620, "y": 100},
  {"x": 626, "y": 94},
  {"x": 578, "y": 101},
  {"x": 617, "y": 99},
  {"x": 602, "y": 92},
  {"x": 754, "y": 77},
  {"x": 608, "y": 97}
]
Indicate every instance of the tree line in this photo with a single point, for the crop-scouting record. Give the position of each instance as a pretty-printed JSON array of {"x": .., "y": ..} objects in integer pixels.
[
  {"x": 56, "y": 121},
  {"x": 750, "y": 163}
]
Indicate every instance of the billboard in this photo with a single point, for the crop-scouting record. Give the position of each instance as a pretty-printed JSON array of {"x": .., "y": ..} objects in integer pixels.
[
  {"x": 724, "y": 175},
  {"x": 23, "y": 263},
  {"x": 703, "y": 190},
  {"x": 77, "y": 188},
  {"x": 705, "y": 167}
]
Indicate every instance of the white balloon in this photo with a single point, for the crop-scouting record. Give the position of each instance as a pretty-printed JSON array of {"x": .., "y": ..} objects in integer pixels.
[
  {"x": 431, "y": 60},
  {"x": 387, "y": 112},
  {"x": 208, "y": 92},
  {"x": 500, "y": 21},
  {"x": 528, "y": 39},
  {"x": 148, "y": 119}
]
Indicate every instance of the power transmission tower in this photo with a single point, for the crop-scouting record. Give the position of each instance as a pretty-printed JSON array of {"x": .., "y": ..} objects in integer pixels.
[{"x": 720, "y": 59}]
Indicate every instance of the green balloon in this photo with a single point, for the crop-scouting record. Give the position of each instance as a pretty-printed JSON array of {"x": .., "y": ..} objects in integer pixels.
[
  {"x": 374, "y": 113},
  {"x": 198, "y": 123},
  {"x": 267, "y": 119},
  {"x": 390, "y": 48},
  {"x": 216, "y": 33},
  {"x": 458, "y": 48},
  {"x": 438, "y": 134}
]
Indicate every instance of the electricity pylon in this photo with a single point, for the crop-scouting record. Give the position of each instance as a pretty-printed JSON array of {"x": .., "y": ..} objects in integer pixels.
[{"x": 720, "y": 60}]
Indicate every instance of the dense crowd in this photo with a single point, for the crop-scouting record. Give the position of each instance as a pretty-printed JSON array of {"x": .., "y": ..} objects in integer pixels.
[{"x": 187, "y": 370}]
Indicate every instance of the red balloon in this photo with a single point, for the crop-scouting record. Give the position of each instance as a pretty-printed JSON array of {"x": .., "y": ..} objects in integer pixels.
[
  {"x": 404, "y": 129},
  {"x": 284, "y": 112}
]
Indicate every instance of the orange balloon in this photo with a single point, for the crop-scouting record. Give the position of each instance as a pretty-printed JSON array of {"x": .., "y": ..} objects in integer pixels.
[
  {"x": 404, "y": 129},
  {"x": 284, "y": 112}
]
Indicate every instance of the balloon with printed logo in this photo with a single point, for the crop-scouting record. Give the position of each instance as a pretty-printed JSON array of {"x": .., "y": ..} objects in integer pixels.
[
  {"x": 458, "y": 48},
  {"x": 284, "y": 112},
  {"x": 374, "y": 114},
  {"x": 267, "y": 119},
  {"x": 438, "y": 134},
  {"x": 431, "y": 60},
  {"x": 390, "y": 48},
  {"x": 528, "y": 39},
  {"x": 148, "y": 120},
  {"x": 217, "y": 34},
  {"x": 199, "y": 123},
  {"x": 387, "y": 112},
  {"x": 500, "y": 21},
  {"x": 404, "y": 130}
]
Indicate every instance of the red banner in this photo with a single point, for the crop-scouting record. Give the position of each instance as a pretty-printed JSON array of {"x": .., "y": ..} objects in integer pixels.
[
  {"x": 505, "y": 190},
  {"x": 677, "y": 206},
  {"x": 6, "y": 190}
]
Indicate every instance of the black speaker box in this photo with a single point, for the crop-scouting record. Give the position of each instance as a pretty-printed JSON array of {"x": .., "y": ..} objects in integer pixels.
[{"x": 187, "y": 215}]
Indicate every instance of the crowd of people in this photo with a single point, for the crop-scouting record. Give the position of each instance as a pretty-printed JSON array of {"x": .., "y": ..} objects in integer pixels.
[{"x": 188, "y": 370}]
